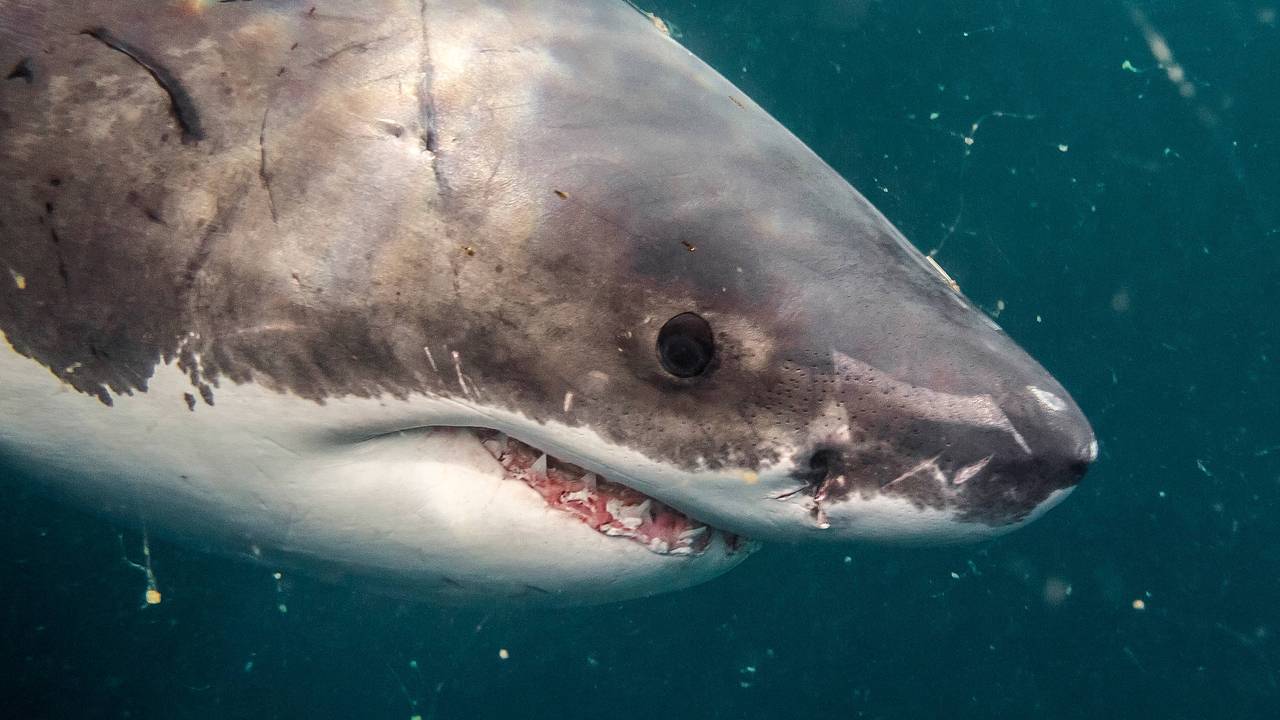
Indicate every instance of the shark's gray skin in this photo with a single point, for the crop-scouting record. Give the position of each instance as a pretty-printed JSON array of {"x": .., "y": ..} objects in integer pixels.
[{"x": 256, "y": 255}]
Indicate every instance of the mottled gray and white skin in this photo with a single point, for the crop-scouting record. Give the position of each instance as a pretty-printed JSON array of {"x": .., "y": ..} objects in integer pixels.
[{"x": 246, "y": 244}]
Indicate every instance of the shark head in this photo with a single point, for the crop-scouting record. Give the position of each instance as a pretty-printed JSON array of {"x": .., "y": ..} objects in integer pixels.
[{"x": 482, "y": 299}]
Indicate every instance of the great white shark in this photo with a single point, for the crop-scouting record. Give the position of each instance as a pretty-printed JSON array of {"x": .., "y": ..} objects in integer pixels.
[{"x": 475, "y": 299}]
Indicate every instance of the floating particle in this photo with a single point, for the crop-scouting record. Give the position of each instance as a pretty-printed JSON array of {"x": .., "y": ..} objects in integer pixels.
[
  {"x": 503, "y": 654},
  {"x": 153, "y": 596},
  {"x": 1120, "y": 301},
  {"x": 1139, "y": 604},
  {"x": 1126, "y": 65},
  {"x": 1063, "y": 147},
  {"x": 1056, "y": 591},
  {"x": 659, "y": 23},
  {"x": 282, "y": 608},
  {"x": 934, "y": 116}
]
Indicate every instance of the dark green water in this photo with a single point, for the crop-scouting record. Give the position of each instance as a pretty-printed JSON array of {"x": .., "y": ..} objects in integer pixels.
[{"x": 1131, "y": 235}]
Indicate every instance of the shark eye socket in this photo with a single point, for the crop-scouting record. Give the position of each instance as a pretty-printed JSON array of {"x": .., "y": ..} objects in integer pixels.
[{"x": 686, "y": 346}]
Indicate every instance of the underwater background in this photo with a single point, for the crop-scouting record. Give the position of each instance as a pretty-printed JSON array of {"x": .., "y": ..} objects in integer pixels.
[{"x": 1103, "y": 177}]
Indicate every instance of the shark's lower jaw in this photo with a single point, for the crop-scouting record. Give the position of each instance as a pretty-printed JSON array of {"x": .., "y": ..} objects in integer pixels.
[{"x": 607, "y": 507}]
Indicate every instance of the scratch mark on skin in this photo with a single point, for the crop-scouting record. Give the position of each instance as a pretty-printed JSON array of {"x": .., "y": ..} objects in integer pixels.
[
  {"x": 263, "y": 174},
  {"x": 201, "y": 256},
  {"x": 457, "y": 366},
  {"x": 285, "y": 448},
  {"x": 180, "y": 103},
  {"x": 62, "y": 263},
  {"x": 357, "y": 46},
  {"x": 967, "y": 472},
  {"x": 930, "y": 465},
  {"x": 427, "y": 108}
]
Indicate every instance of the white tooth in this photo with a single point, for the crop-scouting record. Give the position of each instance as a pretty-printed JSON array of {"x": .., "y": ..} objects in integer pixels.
[
  {"x": 681, "y": 551},
  {"x": 539, "y": 466},
  {"x": 615, "y": 507},
  {"x": 631, "y": 523},
  {"x": 659, "y": 545},
  {"x": 579, "y": 495},
  {"x": 694, "y": 533},
  {"x": 590, "y": 481},
  {"x": 614, "y": 531},
  {"x": 638, "y": 512},
  {"x": 494, "y": 447}
]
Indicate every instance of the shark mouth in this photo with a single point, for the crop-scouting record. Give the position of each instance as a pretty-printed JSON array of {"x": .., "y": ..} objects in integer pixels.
[{"x": 606, "y": 507}]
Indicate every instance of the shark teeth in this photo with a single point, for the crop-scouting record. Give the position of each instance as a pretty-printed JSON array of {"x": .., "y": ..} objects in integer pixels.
[
  {"x": 693, "y": 533},
  {"x": 495, "y": 448},
  {"x": 641, "y": 512},
  {"x": 539, "y": 466},
  {"x": 606, "y": 507},
  {"x": 582, "y": 496}
]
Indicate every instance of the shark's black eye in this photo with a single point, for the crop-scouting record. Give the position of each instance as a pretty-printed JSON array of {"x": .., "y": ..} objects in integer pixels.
[{"x": 686, "y": 346}]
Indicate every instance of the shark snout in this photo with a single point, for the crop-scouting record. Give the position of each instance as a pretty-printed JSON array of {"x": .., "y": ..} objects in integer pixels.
[
  {"x": 1058, "y": 438},
  {"x": 928, "y": 464}
]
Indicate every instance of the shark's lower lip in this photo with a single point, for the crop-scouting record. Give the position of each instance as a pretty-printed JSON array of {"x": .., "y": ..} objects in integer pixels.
[{"x": 608, "y": 507}]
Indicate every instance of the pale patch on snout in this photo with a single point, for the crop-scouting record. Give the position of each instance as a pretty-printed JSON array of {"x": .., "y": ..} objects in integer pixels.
[
  {"x": 927, "y": 404},
  {"x": 1049, "y": 400}
]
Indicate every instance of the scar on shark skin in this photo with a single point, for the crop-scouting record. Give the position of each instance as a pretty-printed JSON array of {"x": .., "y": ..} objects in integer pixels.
[
  {"x": 183, "y": 108},
  {"x": 22, "y": 71}
]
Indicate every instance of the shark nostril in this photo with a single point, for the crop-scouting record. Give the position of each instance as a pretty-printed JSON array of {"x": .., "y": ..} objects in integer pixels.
[{"x": 821, "y": 464}]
